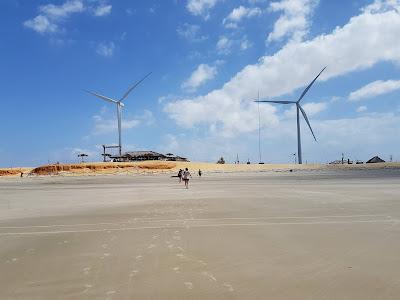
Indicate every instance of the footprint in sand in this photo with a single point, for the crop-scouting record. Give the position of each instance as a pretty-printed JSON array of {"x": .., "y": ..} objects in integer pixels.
[
  {"x": 202, "y": 262},
  {"x": 176, "y": 269},
  {"x": 104, "y": 246},
  {"x": 133, "y": 273},
  {"x": 177, "y": 238},
  {"x": 139, "y": 257},
  {"x": 229, "y": 287},
  {"x": 87, "y": 287},
  {"x": 151, "y": 246},
  {"x": 155, "y": 237},
  {"x": 86, "y": 270},
  {"x": 188, "y": 285},
  {"x": 209, "y": 276}
]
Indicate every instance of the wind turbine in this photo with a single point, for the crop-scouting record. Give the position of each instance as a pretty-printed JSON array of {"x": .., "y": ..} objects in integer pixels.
[
  {"x": 298, "y": 109},
  {"x": 120, "y": 105}
]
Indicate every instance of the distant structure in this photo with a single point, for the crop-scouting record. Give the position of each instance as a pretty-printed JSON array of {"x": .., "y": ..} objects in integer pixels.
[
  {"x": 221, "y": 161},
  {"x": 375, "y": 159},
  {"x": 82, "y": 157},
  {"x": 119, "y": 105},
  {"x": 298, "y": 109},
  {"x": 107, "y": 156},
  {"x": 147, "y": 155}
]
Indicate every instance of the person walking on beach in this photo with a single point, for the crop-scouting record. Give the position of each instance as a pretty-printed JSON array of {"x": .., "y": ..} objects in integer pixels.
[
  {"x": 185, "y": 176},
  {"x": 199, "y": 173},
  {"x": 180, "y": 175}
]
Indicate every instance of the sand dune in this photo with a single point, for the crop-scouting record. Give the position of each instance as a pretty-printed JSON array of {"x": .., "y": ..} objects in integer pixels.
[{"x": 150, "y": 167}]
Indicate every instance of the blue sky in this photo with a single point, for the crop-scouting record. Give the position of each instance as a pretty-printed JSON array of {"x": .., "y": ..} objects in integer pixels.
[{"x": 209, "y": 59}]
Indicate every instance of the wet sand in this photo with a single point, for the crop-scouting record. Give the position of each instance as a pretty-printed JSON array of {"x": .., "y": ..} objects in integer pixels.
[{"x": 273, "y": 235}]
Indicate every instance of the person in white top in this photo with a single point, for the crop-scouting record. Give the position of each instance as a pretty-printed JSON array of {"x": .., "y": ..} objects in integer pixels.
[{"x": 185, "y": 177}]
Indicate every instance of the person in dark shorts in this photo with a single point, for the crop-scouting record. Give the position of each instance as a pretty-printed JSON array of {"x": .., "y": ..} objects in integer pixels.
[
  {"x": 200, "y": 173},
  {"x": 180, "y": 175}
]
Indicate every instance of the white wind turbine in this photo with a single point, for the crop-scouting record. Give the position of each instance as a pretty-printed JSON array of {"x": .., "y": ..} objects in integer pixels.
[
  {"x": 120, "y": 105},
  {"x": 298, "y": 109}
]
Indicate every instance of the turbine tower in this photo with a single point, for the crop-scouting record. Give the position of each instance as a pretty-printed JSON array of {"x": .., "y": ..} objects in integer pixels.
[
  {"x": 119, "y": 105},
  {"x": 298, "y": 110}
]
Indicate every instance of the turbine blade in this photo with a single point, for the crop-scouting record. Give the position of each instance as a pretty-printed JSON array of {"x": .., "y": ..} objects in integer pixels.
[
  {"x": 308, "y": 87},
  {"x": 305, "y": 118},
  {"x": 102, "y": 97},
  {"x": 133, "y": 86},
  {"x": 275, "y": 101}
]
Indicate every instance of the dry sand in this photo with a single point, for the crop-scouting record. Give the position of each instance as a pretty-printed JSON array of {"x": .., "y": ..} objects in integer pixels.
[
  {"x": 170, "y": 167},
  {"x": 315, "y": 234}
]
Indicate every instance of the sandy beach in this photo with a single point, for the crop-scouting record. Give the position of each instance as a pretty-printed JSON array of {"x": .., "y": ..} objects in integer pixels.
[{"x": 307, "y": 234}]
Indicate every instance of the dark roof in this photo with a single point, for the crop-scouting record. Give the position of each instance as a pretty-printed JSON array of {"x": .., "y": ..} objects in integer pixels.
[
  {"x": 143, "y": 154},
  {"x": 375, "y": 159}
]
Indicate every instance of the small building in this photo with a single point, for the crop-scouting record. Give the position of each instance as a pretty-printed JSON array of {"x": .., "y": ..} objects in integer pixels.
[
  {"x": 147, "y": 155},
  {"x": 375, "y": 159},
  {"x": 143, "y": 155},
  {"x": 172, "y": 157}
]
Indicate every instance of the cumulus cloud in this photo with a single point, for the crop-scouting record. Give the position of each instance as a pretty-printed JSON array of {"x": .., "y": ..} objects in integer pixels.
[
  {"x": 279, "y": 141},
  {"x": 239, "y": 13},
  {"x": 245, "y": 44},
  {"x": 294, "y": 20},
  {"x": 201, "y": 75},
  {"x": 102, "y": 10},
  {"x": 224, "y": 45},
  {"x": 200, "y": 7},
  {"x": 190, "y": 32},
  {"x": 104, "y": 125},
  {"x": 368, "y": 38},
  {"x": 311, "y": 108},
  {"x": 105, "y": 49},
  {"x": 51, "y": 15},
  {"x": 375, "y": 88},
  {"x": 361, "y": 108}
]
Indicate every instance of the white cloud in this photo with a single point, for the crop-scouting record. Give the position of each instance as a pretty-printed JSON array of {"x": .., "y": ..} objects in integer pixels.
[
  {"x": 366, "y": 39},
  {"x": 224, "y": 45},
  {"x": 375, "y": 88},
  {"x": 237, "y": 14},
  {"x": 201, "y": 75},
  {"x": 62, "y": 11},
  {"x": 102, "y": 10},
  {"x": 105, "y": 49},
  {"x": 200, "y": 7},
  {"x": 245, "y": 44},
  {"x": 311, "y": 109},
  {"x": 41, "y": 24},
  {"x": 294, "y": 21},
  {"x": 361, "y": 109},
  {"x": 191, "y": 32},
  {"x": 103, "y": 125},
  {"x": 51, "y": 16},
  {"x": 359, "y": 138}
]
